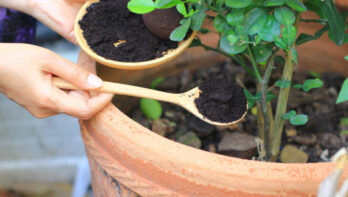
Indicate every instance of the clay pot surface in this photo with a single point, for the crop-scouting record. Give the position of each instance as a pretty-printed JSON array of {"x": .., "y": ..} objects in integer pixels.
[
  {"x": 147, "y": 164},
  {"x": 162, "y": 22}
]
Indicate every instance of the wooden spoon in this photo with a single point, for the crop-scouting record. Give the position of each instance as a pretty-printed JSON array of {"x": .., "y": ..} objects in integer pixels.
[
  {"x": 125, "y": 65},
  {"x": 185, "y": 100}
]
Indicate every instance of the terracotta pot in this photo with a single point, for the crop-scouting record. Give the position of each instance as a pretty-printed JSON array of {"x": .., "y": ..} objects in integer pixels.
[{"x": 127, "y": 159}]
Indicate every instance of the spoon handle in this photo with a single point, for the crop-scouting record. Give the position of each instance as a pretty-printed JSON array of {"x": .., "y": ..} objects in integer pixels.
[{"x": 124, "y": 89}]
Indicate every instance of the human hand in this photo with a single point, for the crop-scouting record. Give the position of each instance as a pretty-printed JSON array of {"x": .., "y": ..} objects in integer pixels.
[
  {"x": 26, "y": 77},
  {"x": 59, "y": 15}
]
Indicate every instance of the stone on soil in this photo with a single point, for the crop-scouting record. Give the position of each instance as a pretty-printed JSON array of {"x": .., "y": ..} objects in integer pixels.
[
  {"x": 291, "y": 154},
  {"x": 162, "y": 126},
  {"x": 330, "y": 140},
  {"x": 238, "y": 144},
  {"x": 201, "y": 128},
  {"x": 190, "y": 139}
]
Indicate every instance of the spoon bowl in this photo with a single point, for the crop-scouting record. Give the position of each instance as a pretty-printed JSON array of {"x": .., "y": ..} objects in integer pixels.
[
  {"x": 185, "y": 100},
  {"x": 171, "y": 54}
]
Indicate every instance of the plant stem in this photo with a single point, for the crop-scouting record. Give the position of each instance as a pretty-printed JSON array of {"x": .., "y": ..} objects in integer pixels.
[
  {"x": 281, "y": 106},
  {"x": 253, "y": 62},
  {"x": 282, "y": 100},
  {"x": 264, "y": 106}
]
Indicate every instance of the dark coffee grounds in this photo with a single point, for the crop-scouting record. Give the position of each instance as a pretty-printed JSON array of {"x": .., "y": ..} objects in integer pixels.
[
  {"x": 221, "y": 101},
  {"x": 109, "y": 22}
]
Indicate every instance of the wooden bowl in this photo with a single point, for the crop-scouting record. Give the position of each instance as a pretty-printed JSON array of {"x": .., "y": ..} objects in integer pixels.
[{"x": 125, "y": 65}]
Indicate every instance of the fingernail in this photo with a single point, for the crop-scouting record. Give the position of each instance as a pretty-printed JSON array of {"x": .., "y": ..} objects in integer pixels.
[{"x": 94, "y": 81}]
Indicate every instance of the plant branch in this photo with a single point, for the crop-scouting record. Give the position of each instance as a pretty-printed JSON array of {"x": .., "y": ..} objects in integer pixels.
[
  {"x": 253, "y": 62},
  {"x": 283, "y": 100},
  {"x": 264, "y": 106}
]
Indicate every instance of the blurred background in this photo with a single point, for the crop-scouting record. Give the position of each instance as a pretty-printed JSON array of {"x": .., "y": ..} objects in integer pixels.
[{"x": 41, "y": 157}]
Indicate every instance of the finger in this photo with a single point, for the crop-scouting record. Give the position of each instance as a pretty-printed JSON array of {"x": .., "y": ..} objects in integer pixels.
[
  {"x": 99, "y": 102},
  {"x": 41, "y": 113},
  {"x": 73, "y": 73},
  {"x": 79, "y": 94},
  {"x": 79, "y": 107}
]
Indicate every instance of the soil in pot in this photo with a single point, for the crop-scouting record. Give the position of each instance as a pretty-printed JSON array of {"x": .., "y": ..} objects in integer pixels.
[
  {"x": 221, "y": 101},
  {"x": 115, "y": 33},
  {"x": 316, "y": 141}
]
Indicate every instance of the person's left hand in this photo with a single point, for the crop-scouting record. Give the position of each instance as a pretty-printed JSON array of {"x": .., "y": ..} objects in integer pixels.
[{"x": 57, "y": 14}]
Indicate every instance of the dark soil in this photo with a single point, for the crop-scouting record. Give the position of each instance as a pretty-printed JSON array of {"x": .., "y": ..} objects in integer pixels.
[
  {"x": 162, "y": 22},
  {"x": 109, "y": 21},
  {"x": 221, "y": 101},
  {"x": 319, "y": 138}
]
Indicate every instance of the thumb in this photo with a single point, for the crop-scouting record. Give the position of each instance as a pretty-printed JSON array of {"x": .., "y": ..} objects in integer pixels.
[{"x": 74, "y": 73}]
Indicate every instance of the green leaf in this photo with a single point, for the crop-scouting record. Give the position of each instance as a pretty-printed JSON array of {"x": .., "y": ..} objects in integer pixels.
[
  {"x": 156, "y": 82},
  {"x": 289, "y": 35},
  {"x": 180, "y": 32},
  {"x": 270, "y": 30},
  {"x": 262, "y": 52},
  {"x": 280, "y": 43},
  {"x": 296, "y": 5},
  {"x": 283, "y": 83},
  {"x": 312, "y": 83},
  {"x": 294, "y": 55},
  {"x": 303, "y": 38},
  {"x": 204, "y": 30},
  {"x": 181, "y": 8},
  {"x": 232, "y": 37},
  {"x": 254, "y": 20},
  {"x": 238, "y": 3},
  {"x": 289, "y": 114},
  {"x": 285, "y": 16},
  {"x": 165, "y": 4},
  {"x": 297, "y": 86},
  {"x": 220, "y": 24},
  {"x": 250, "y": 98},
  {"x": 152, "y": 109},
  {"x": 141, "y": 6},
  {"x": 269, "y": 96},
  {"x": 343, "y": 95},
  {"x": 344, "y": 122},
  {"x": 301, "y": 119},
  {"x": 197, "y": 19},
  {"x": 315, "y": 6},
  {"x": 346, "y": 58},
  {"x": 344, "y": 132},
  {"x": 235, "y": 48},
  {"x": 235, "y": 17},
  {"x": 335, "y": 21},
  {"x": 314, "y": 74},
  {"x": 274, "y": 3}
]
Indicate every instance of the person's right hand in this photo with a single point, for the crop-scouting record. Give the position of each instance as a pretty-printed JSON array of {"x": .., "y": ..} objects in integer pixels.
[{"x": 26, "y": 77}]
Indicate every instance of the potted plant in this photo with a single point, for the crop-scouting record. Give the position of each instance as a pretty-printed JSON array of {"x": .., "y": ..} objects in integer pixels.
[{"x": 255, "y": 31}]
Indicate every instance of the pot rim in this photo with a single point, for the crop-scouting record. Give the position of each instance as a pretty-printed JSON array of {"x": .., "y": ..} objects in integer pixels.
[{"x": 126, "y": 65}]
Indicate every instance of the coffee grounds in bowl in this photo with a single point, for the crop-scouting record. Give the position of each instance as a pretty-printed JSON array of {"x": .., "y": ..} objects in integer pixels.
[
  {"x": 108, "y": 22},
  {"x": 221, "y": 101}
]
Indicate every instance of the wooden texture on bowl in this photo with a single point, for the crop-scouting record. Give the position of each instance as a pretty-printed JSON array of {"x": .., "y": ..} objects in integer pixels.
[{"x": 125, "y": 65}]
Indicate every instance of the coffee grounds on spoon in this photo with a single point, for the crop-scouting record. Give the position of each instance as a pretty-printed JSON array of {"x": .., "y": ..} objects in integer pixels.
[
  {"x": 221, "y": 101},
  {"x": 108, "y": 22}
]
